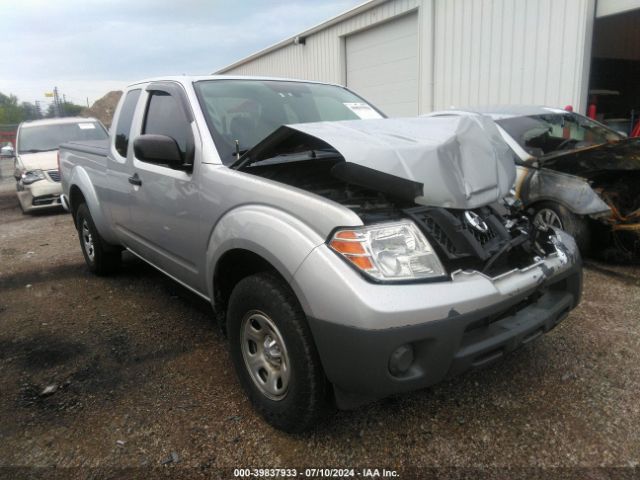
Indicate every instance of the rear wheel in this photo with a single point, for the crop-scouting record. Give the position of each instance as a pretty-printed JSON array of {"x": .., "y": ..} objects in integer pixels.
[
  {"x": 273, "y": 353},
  {"x": 101, "y": 258},
  {"x": 552, "y": 214}
]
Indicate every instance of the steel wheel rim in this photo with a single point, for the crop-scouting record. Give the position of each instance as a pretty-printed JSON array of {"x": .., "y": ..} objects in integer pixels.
[
  {"x": 87, "y": 240},
  {"x": 547, "y": 218},
  {"x": 265, "y": 355}
]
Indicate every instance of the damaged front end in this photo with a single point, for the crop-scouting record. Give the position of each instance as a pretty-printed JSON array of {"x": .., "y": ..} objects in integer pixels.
[
  {"x": 491, "y": 239},
  {"x": 448, "y": 176},
  {"x": 602, "y": 182}
]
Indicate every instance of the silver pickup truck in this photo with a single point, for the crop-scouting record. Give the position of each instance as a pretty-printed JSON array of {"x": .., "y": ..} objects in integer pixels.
[{"x": 347, "y": 256}]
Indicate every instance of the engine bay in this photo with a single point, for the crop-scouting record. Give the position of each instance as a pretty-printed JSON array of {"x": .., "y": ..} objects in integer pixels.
[{"x": 493, "y": 239}]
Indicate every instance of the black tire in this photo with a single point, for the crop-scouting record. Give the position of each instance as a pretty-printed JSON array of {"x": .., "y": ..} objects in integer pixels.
[
  {"x": 575, "y": 225},
  {"x": 304, "y": 401},
  {"x": 103, "y": 258}
]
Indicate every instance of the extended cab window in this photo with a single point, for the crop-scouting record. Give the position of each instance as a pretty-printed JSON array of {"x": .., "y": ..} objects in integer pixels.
[
  {"x": 124, "y": 122},
  {"x": 165, "y": 117}
]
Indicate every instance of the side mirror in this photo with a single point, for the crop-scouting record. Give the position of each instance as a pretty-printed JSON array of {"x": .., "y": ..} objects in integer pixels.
[
  {"x": 7, "y": 151},
  {"x": 161, "y": 150}
]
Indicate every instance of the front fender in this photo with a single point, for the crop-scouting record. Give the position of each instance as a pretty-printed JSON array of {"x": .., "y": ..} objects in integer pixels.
[
  {"x": 80, "y": 178},
  {"x": 573, "y": 192},
  {"x": 280, "y": 238}
]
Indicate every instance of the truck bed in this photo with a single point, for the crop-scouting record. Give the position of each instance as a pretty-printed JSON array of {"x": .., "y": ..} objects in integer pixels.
[{"x": 95, "y": 147}]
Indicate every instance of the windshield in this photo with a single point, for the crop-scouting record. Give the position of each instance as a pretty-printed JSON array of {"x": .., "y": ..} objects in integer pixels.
[
  {"x": 247, "y": 111},
  {"x": 553, "y": 133},
  {"x": 42, "y": 138}
]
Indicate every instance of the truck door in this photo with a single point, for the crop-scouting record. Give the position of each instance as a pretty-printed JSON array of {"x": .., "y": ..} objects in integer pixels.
[
  {"x": 120, "y": 167},
  {"x": 164, "y": 205}
]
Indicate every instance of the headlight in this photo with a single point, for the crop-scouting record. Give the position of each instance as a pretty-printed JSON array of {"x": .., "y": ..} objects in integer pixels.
[
  {"x": 32, "y": 176},
  {"x": 389, "y": 251}
]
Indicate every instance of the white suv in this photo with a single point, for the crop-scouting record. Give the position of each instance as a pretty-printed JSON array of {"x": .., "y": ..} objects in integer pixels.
[{"x": 36, "y": 165}]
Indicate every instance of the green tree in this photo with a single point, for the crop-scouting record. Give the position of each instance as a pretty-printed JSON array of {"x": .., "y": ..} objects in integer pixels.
[
  {"x": 71, "y": 109},
  {"x": 11, "y": 112},
  {"x": 67, "y": 109},
  {"x": 30, "y": 111}
]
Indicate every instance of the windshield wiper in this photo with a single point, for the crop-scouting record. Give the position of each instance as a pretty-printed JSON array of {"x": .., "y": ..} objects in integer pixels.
[
  {"x": 313, "y": 154},
  {"x": 295, "y": 157}
]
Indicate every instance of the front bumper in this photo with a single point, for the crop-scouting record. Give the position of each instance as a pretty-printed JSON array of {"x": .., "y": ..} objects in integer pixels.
[
  {"x": 40, "y": 195},
  {"x": 451, "y": 326}
]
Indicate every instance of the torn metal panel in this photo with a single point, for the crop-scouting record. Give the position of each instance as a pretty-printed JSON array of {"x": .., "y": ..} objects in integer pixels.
[
  {"x": 456, "y": 162},
  {"x": 574, "y": 192}
]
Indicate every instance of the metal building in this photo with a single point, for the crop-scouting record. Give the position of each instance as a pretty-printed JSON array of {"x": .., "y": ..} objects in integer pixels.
[{"x": 415, "y": 56}]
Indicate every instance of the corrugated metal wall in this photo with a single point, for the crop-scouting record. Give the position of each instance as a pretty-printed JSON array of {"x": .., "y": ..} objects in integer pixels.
[
  {"x": 472, "y": 52},
  {"x": 490, "y": 52},
  {"x": 321, "y": 58}
]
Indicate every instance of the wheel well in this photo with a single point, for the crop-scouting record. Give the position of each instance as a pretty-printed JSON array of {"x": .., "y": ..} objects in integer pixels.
[
  {"x": 76, "y": 198},
  {"x": 536, "y": 204},
  {"x": 232, "y": 267}
]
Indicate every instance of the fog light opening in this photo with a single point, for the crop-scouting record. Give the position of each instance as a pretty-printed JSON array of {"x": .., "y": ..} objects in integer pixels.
[{"x": 401, "y": 360}]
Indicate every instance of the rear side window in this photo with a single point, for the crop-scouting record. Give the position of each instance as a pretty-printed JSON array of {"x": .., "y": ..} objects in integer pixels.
[
  {"x": 165, "y": 117},
  {"x": 124, "y": 121}
]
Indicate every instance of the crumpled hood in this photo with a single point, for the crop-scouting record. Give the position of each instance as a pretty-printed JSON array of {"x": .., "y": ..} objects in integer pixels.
[
  {"x": 456, "y": 162},
  {"x": 40, "y": 160}
]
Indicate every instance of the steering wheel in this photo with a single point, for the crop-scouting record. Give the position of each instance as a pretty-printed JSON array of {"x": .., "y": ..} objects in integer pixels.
[{"x": 564, "y": 143}]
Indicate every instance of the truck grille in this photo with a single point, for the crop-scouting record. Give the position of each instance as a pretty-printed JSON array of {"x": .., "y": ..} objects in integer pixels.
[
  {"x": 481, "y": 237},
  {"x": 455, "y": 236},
  {"x": 460, "y": 245},
  {"x": 438, "y": 234},
  {"x": 54, "y": 175}
]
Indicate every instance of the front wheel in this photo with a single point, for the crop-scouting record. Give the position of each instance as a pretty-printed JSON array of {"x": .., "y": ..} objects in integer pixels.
[
  {"x": 551, "y": 214},
  {"x": 273, "y": 353},
  {"x": 101, "y": 258}
]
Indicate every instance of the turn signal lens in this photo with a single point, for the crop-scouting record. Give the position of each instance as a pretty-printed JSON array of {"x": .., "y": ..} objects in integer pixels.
[
  {"x": 354, "y": 248},
  {"x": 363, "y": 263},
  {"x": 347, "y": 234},
  {"x": 349, "y": 243}
]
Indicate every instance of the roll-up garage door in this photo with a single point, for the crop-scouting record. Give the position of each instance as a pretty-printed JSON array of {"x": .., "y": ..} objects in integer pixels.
[{"x": 382, "y": 65}]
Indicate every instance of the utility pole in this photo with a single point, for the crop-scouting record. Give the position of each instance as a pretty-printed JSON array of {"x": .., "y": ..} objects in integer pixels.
[
  {"x": 64, "y": 104},
  {"x": 56, "y": 102},
  {"x": 38, "y": 109}
]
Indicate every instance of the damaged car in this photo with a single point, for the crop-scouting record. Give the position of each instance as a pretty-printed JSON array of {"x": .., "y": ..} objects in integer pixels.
[
  {"x": 347, "y": 256},
  {"x": 576, "y": 174},
  {"x": 36, "y": 157}
]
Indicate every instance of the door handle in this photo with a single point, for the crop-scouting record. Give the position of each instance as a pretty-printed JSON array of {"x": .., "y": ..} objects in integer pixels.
[{"x": 135, "y": 180}]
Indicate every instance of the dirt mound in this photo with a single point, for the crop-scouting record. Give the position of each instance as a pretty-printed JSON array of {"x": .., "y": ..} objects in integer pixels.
[{"x": 103, "y": 108}]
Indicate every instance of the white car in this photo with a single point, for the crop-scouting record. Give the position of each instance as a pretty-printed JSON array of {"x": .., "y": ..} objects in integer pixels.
[
  {"x": 6, "y": 151},
  {"x": 36, "y": 161}
]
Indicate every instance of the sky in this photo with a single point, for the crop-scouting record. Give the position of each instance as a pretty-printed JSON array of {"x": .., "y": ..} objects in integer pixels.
[{"x": 89, "y": 47}]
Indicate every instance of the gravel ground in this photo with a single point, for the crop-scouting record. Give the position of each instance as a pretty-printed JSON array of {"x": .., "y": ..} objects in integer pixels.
[{"x": 129, "y": 372}]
